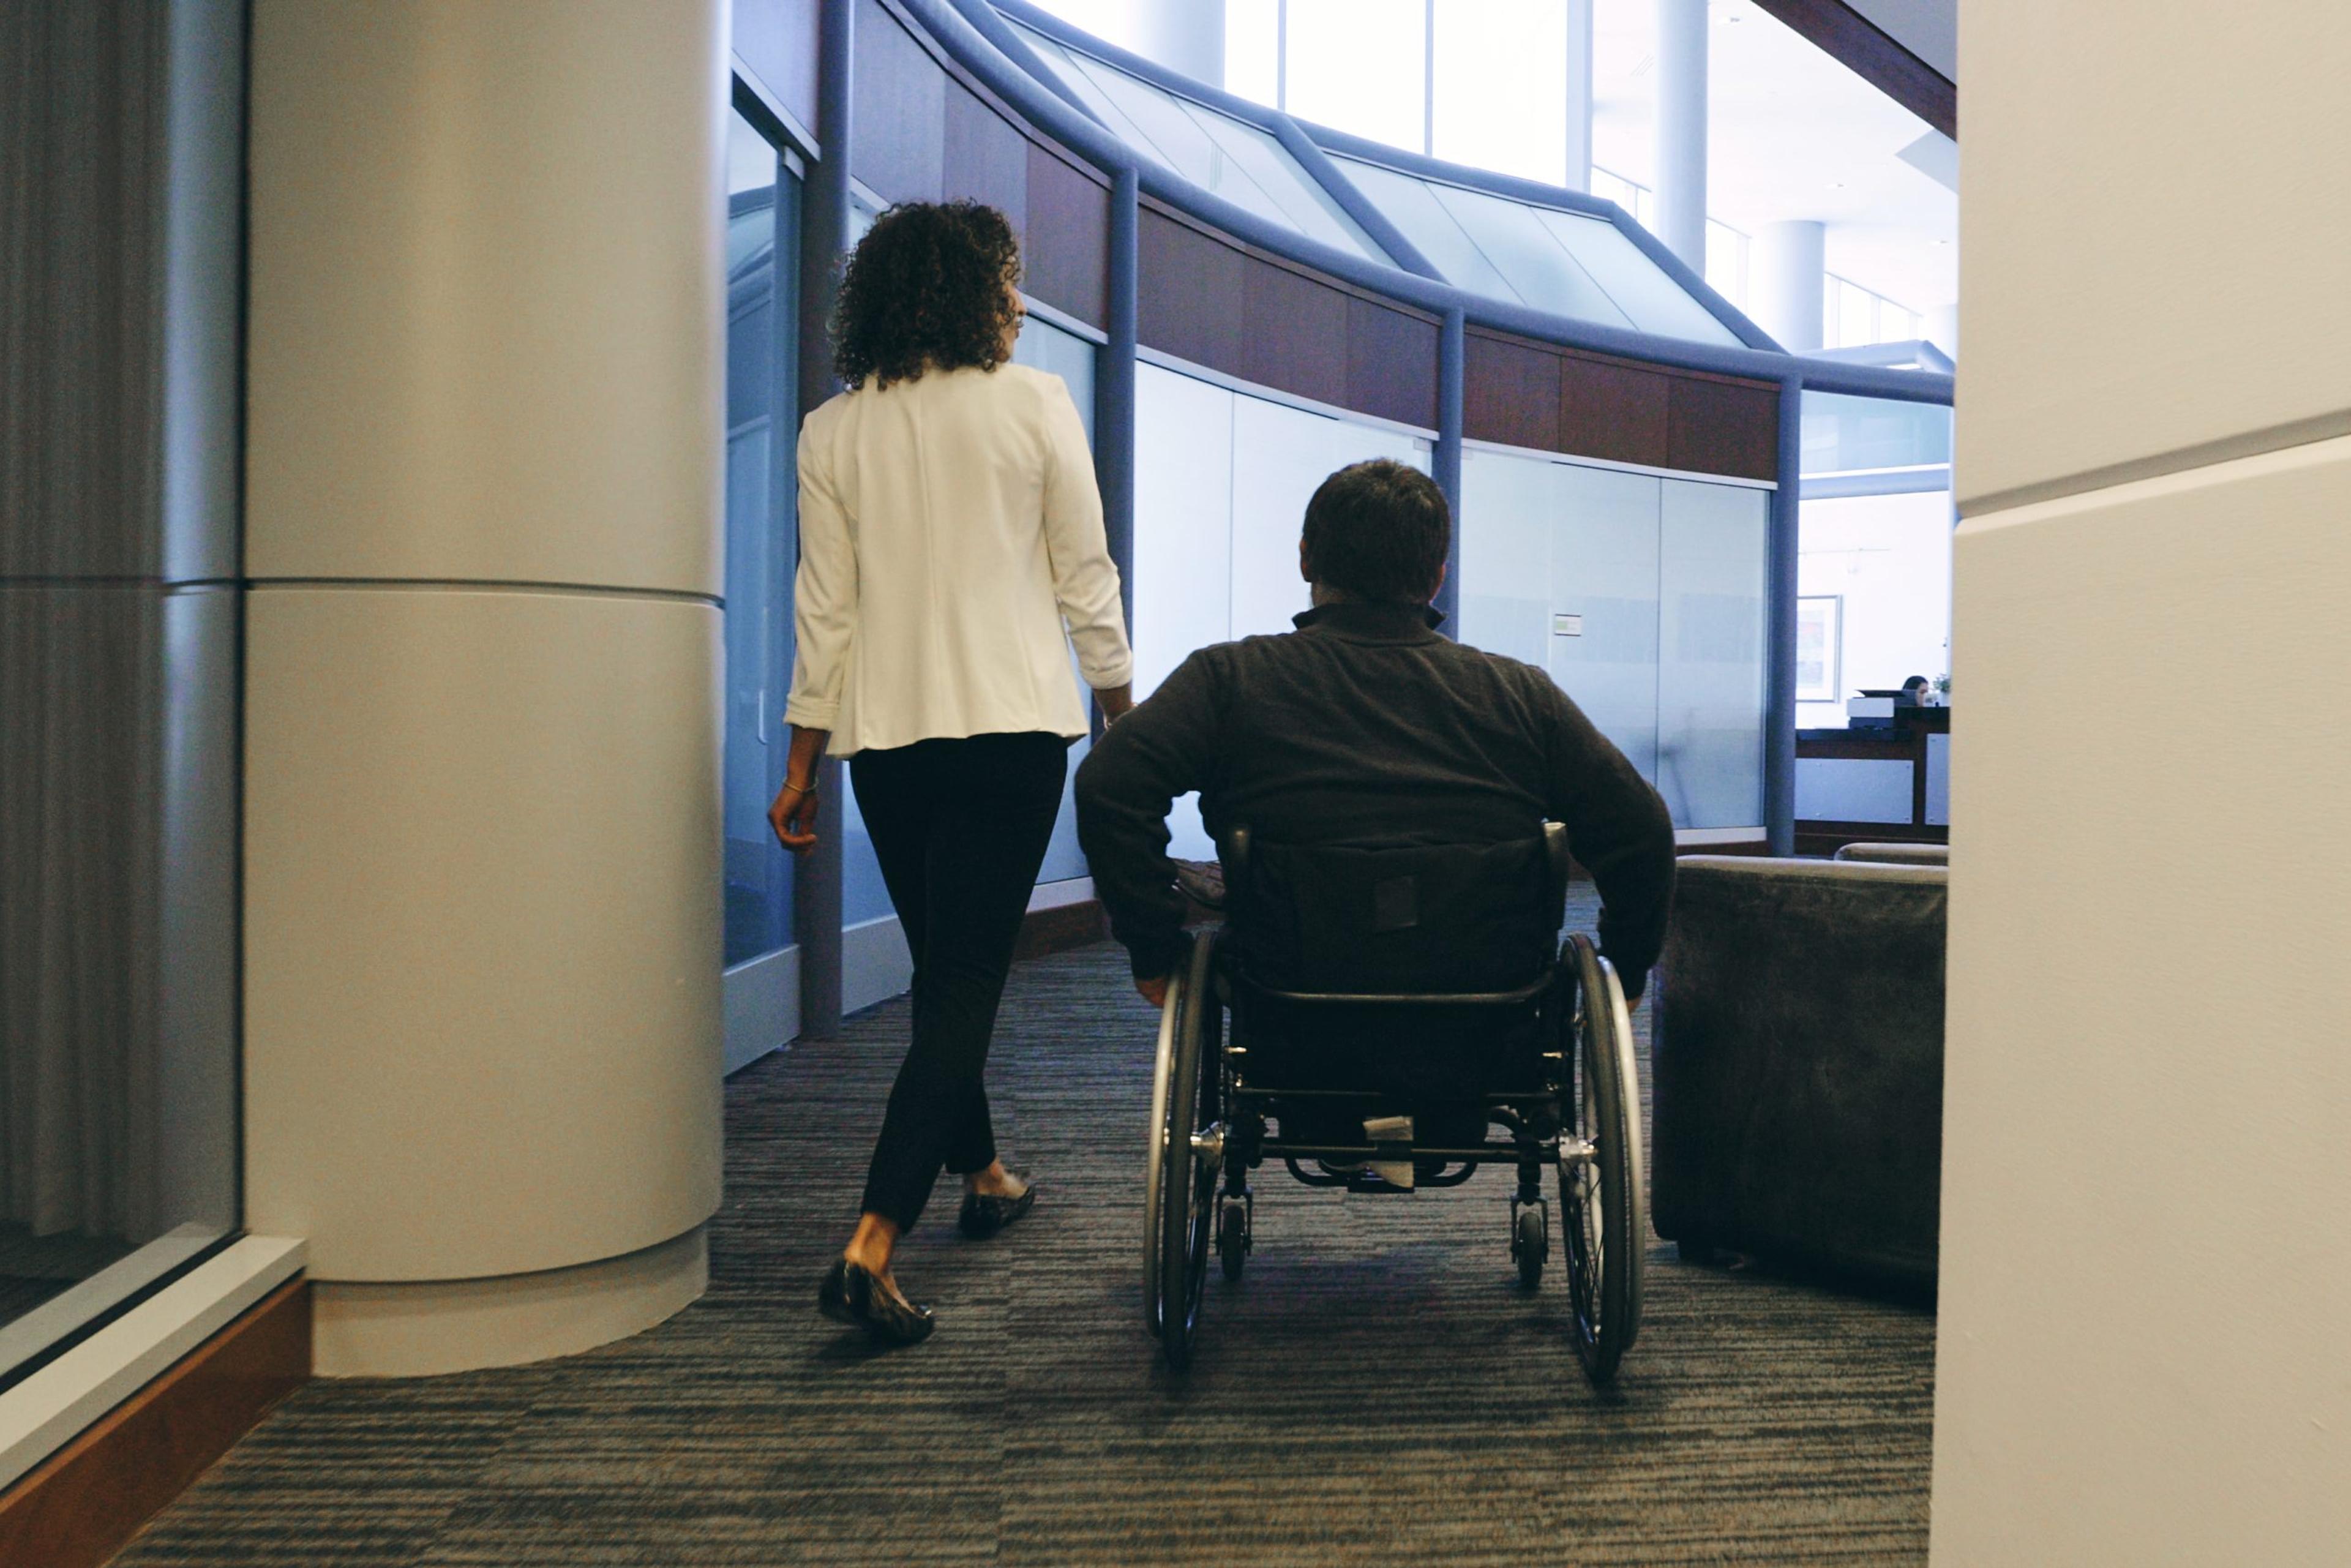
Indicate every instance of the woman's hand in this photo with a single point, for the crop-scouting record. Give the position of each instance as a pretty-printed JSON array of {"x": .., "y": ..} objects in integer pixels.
[
  {"x": 1116, "y": 702},
  {"x": 793, "y": 815}
]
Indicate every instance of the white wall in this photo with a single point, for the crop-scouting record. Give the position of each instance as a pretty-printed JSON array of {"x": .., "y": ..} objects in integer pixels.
[
  {"x": 1889, "y": 559},
  {"x": 2145, "y": 1346}
]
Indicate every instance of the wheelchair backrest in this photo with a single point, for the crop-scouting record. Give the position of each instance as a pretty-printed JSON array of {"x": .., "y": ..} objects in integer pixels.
[{"x": 1415, "y": 920}]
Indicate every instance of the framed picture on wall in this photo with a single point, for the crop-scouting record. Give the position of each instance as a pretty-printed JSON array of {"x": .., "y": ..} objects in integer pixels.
[{"x": 1820, "y": 644}]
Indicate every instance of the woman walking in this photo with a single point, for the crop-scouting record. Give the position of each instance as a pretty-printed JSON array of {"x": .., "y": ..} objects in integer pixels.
[{"x": 950, "y": 529}]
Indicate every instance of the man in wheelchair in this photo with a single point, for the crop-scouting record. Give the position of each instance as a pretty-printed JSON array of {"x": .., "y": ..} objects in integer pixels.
[
  {"x": 1365, "y": 729},
  {"x": 1380, "y": 795}
]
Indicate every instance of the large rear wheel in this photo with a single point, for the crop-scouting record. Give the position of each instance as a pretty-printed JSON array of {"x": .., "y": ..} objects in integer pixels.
[
  {"x": 1603, "y": 1208},
  {"x": 1187, "y": 1100}
]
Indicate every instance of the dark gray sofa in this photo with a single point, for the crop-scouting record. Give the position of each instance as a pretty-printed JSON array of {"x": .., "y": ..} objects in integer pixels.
[{"x": 1799, "y": 1063}]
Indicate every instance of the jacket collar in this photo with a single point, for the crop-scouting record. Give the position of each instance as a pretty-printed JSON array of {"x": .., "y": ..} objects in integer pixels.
[{"x": 1361, "y": 622}]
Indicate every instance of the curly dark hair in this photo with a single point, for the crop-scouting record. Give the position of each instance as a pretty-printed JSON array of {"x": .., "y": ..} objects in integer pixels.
[
  {"x": 1380, "y": 530},
  {"x": 925, "y": 289}
]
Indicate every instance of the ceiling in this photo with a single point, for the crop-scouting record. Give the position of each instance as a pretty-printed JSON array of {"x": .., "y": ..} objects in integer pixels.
[{"x": 1792, "y": 134}]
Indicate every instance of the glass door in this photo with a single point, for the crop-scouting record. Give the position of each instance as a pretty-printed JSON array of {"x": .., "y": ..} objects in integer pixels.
[{"x": 763, "y": 983}]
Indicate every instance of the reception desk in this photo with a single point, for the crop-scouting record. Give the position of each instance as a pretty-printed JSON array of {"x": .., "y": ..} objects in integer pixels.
[{"x": 1859, "y": 784}]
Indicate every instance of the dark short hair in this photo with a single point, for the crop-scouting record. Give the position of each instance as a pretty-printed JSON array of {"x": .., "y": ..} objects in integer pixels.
[
  {"x": 925, "y": 289},
  {"x": 1380, "y": 530}
]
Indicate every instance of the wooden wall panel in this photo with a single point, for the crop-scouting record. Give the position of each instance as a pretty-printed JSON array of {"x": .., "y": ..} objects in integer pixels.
[
  {"x": 985, "y": 158},
  {"x": 1192, "y": 292},
  {"x": 1723, "y": 428},
  {"x": 901, "y": 108},
  {"x": 778, "y": 40},
  {"x": 1391, "y": 364},
  {"x": 1510, "y": 392},
  {"x": 1293, "y": 332},
  {"x": 1066, "y": 238},
  {"x": 1530, "y": 394},
  {"x": 1610, "y": 409}
]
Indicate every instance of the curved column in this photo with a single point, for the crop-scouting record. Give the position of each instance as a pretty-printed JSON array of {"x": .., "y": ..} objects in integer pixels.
[
  {"x": 483, "y": 1015},
  {"x": 1791, "y": 278},
  {"x": 1681, "y": 129}
]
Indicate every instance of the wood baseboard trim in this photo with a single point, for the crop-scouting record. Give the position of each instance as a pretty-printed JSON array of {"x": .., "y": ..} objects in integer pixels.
[
  {"x": 1061, "y": 928},
  {"x": 79, "y": 1507}
]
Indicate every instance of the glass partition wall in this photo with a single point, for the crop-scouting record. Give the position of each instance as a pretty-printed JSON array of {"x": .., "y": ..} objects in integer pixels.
[
  {"x": 1874, "y": 557},
  {"x": 1644, "y": 596},
  {"x": 1221, "y": 482},
  {"x": 763, "y": 989},
  {"x": 122, "y": 621}
]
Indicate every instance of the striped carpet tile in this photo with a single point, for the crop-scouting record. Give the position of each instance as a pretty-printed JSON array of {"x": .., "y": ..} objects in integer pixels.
[{"x": 1375, "y": 1389}]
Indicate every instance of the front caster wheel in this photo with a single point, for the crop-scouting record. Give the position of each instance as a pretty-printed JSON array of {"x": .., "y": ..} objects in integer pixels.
[
  {"x": 1233, "y": 1237},
  {"x": 1530, "y": 1241}
]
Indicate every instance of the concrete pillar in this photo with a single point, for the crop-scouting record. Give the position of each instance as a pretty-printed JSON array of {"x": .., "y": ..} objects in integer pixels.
[
  {"x": 1943, "y": 328},
  {"x": 1185, "y": 35},
  {"x": 1681, "y": 129},
  {"x": 1579, "y": 94},
  {"x": 1786, "y": 280},
  {"x": 485, "y": 355}
]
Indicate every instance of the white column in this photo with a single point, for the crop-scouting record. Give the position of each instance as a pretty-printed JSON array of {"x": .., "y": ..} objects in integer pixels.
[
  {"x": 1786, "y": 278},
  {"x": 1943, "y": 328},
  {"x": 1185, "y": 35},
  {"x": 1579, "y": 94},
  {"x": 482, "y": 832},
  {"x": 1681, "y": 129},
  {"x": 2141, "y": 1353}
]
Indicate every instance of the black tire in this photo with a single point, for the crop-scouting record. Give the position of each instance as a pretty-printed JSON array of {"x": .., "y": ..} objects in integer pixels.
[
  {"x": 1233, "y": 1239},
  {"x": 1530, "y": 1242},
  {"x": 1603, "y": 1208},
  {"x": 1187, "y": 1183}
]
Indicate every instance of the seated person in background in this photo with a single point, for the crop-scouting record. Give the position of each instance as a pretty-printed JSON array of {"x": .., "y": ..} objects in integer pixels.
[
  {"x": 1365, "y": 728},
  {"x": 1913, "y": 692}
]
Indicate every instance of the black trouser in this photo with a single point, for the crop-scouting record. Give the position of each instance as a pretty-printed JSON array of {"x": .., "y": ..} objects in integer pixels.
[{"x": 960, "y": 827}]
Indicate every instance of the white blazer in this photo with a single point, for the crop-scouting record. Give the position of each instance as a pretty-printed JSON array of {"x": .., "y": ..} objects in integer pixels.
[{"x": 950, "y": 528}]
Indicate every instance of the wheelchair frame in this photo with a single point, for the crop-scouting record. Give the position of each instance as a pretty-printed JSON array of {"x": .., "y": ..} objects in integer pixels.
[{"x": 1208, "y": 1132}]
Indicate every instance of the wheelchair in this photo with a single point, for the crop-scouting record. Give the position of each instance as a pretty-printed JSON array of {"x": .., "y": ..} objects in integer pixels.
[{"x": 1545, "y": 1076}]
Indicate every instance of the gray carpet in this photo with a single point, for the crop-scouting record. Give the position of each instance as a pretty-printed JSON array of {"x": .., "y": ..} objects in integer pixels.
[{"x": 1377, "y": 1389}]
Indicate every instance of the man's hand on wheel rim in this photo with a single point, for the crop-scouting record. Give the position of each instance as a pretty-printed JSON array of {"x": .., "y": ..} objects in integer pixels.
[{"x": 1153, "y": 991}]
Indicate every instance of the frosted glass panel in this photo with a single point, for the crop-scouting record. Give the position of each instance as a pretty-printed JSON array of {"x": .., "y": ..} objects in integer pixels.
[
  {"x": 1638, "y": 287},
  {"x": 1280, "y": 457},
  {"x": 1183, "y": 540},
  {"x": 1643, "y": 599},
  {"x": 1221, "y": 483},
  {"x": 1229, "y": 157},
  {"x": 1412, "y": 206},
  {"x": 1603, "y": 595},
  {"x": 1710, "y": 676},
  {"x": 1843, "y": 434},
  {"x": 1065, "y": 354},
  {"x": 1548, "y": 258},
  {"x": 1516, "y": 241},
  {"x": 761, "y": 541},
  {"x": 1507, "y": 507}
]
